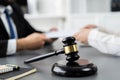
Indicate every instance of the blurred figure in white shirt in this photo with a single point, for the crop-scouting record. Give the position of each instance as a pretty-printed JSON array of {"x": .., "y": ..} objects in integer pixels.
[{"x": 101, "y": 39}]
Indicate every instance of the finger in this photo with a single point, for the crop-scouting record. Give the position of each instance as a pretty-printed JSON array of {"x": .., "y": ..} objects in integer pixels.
[
  {"x": 76, "y": 34},
  {"x": 54, "y": 29},
  {"x": 90, "y": 26},
  {"x": 43, "y": 37},
  {"x": 42, "y": 43}
]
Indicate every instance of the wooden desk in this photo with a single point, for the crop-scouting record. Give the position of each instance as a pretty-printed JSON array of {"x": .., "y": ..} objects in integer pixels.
[{"x": 108, "y": 66}]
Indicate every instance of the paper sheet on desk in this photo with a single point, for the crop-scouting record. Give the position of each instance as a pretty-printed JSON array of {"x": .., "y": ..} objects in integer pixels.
[
  {"x": 59, "y": 34},
  {"x": 62, "y": 34}
]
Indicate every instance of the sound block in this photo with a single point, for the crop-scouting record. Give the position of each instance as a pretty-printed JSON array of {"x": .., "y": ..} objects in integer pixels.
[{"x": 79, "y": 68}]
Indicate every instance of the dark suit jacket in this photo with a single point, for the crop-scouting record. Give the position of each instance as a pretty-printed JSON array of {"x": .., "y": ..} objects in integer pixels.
[{"x": 22, "y": 26}]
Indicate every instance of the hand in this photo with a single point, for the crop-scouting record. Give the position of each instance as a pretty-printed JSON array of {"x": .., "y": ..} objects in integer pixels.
[
  {"x": 82, "y": 36},
  {"x": 31, "y": 42}
]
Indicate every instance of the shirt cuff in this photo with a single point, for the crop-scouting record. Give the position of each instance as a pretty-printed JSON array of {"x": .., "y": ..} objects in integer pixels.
[
  {"x": 92, "y": 36},
  {"x": 11, "y": 49}
]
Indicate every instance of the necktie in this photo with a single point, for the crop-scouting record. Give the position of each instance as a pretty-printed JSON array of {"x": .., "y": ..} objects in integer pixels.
[{"x": 12, "y": 34}]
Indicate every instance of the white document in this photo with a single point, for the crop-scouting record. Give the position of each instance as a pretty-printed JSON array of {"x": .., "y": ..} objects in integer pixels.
[{"x": 59, "y": 34}]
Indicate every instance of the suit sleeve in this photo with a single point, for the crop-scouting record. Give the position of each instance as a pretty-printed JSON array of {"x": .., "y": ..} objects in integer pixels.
[
  {"x": 3, "y": 47},
  {"x": 20, "y": 14},
  {"x": 106, "y": 43},
  {"x": 7, "y": 46},
  {"x": 3, "y": 40}
]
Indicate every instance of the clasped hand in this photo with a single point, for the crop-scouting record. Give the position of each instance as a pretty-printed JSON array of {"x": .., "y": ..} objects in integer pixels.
[{"x": 82, "y": 35}]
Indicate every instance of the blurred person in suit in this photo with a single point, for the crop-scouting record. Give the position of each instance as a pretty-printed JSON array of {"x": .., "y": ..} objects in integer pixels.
[
  {"x": 16, "y": 33},
  {"x": 105, "y": 41}
]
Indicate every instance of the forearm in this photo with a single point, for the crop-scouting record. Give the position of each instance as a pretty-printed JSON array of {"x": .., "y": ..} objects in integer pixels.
[{"x": 104, "y": 42}]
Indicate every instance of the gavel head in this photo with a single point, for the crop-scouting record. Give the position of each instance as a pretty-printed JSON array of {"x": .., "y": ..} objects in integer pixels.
[{"x": 71, "y": 49}]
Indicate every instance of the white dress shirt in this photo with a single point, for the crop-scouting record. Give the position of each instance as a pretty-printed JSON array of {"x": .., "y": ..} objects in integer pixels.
[
  {"x": 104, "y": 42},
  {"x": 11, "y": 47}
]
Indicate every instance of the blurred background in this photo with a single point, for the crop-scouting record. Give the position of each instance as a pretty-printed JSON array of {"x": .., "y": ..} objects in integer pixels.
[{"x": 69, "y": 14}]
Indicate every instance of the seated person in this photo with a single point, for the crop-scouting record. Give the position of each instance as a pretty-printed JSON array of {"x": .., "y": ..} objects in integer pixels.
[
  {"x": 108, "y": 43},
  {"x": 15, "y": 32}
]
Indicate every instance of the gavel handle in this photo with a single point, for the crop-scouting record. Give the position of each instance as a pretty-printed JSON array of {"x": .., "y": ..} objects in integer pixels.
[{"x": 44, "y": 56}]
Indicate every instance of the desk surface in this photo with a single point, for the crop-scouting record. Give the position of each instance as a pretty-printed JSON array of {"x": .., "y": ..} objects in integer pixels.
[{"x": 108, "y": 66}]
